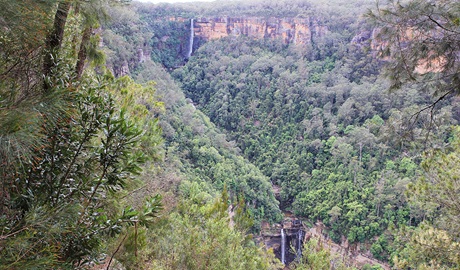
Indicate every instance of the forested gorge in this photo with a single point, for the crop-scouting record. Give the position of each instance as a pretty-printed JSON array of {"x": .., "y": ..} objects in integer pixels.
[
  {"x": 336, "y": 144},
  {"x": 119, "y": 151}
]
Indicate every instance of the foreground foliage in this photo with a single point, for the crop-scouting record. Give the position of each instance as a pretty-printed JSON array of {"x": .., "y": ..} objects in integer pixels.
[{"x": 68, "y": 147}]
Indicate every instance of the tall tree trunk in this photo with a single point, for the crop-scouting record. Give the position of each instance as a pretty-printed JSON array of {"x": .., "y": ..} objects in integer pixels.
[
  {"x": 54, "y": 40},
  {"x": 82, "y": 54},
  {"x": 76, "y": 10}
]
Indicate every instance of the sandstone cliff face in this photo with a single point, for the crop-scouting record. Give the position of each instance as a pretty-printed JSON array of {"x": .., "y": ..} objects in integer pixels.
[
  {"x": 289, "y": 30},
  {"x": 171, "y": 43}
]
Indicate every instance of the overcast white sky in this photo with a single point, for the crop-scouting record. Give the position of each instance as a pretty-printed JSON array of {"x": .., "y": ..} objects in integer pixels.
[{"x": 173, "y": 1}]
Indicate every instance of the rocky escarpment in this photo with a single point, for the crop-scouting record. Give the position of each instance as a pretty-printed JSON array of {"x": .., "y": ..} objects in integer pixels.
[
  {"x": 289, "y": 30},
  {"x": 174, "y": 36}
]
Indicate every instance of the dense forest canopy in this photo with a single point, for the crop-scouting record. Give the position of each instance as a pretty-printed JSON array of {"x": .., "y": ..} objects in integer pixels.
[
  {"x": 333, "y": 138},
  {"x": 117, "y": 148}
]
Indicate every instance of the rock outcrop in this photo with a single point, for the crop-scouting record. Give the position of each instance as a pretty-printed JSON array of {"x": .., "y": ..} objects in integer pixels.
[{"x": 289, "y": 30}]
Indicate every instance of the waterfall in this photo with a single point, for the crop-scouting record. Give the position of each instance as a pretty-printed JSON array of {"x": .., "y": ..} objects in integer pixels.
[
  {"x": 283, "y": 247},
  {"x": 190, "y": 43},
  {"x": 299, "y": 244}
]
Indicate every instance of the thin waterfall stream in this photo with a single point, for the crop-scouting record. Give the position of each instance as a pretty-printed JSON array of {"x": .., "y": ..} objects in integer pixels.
[
  {"x": 299, "y": 244},
  {"x": 291, "y": 239},
  {"x": 190, "y": 43},
  {"x": 283, "y": 247}
]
